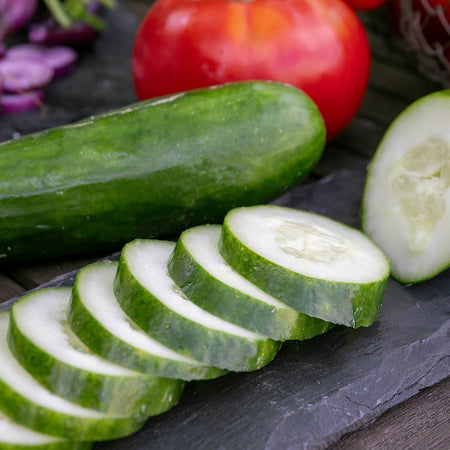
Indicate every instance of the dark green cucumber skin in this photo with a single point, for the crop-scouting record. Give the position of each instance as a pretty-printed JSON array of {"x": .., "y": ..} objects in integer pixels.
[
  {"x": 140, "y": 396},
  {"x": 184, "y": 336},
  {"x": 154, "y": 168},
  {"x": 102, "y": 342},
  {"x": 62, "y": 445},
  {"x": 235, "y": 306},
  {"x": 54, "y": 423},
  {"x": 341, "y": 303}
]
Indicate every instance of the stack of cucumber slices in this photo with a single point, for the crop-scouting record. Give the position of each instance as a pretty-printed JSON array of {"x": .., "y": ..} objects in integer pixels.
[{"x": 93, "y": 362}]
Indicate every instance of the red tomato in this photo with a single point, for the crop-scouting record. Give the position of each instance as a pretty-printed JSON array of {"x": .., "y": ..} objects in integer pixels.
[
  {"x": 319, "y": 46},
  {"x": 365, "y": 5}
]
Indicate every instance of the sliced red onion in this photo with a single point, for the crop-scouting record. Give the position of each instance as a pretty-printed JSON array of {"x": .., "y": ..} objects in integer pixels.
[
  {"x": 52, "y": 34},
  {"x": 24, "y": 75},
  {"x": 26, "y": 51},
  {"x": 61, "y": 59},
  {"x": 14, "y": 14},
  {"x": 18, "y": 103},
  {"x": 2, "y": 49}
]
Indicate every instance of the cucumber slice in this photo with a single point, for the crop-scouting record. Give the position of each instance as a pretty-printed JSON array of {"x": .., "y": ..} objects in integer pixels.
[
  {"x": 318, "y": 266},
  {"x": 149, "y": 296},
  {"x": 406, "y": 201},
  {"x": 28, "y": 403},
  {"x": 98, "y": 320},
  {"x": 205, "y": 278},
  {"x": 17, "y": 437},
  {"x": 63, "y": 364}
]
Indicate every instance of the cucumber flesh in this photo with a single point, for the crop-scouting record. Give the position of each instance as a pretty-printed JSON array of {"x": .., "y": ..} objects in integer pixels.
[
  {"x": 150, "y": 297},
  {"x": 201, "y": 272},
  {"x": 406, "y": 202},
  {"x": 17, "y": 437},
  {"x": 98, "y": 320},
  {"x": 30, "y": 404},
  {"x": 62, "y": 363},
  {"x": 318, "y": 266}
]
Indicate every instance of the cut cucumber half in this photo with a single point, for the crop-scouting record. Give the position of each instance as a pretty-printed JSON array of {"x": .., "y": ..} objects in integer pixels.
[
  {"x": 406, "y": 201},
  {"x": 98, "y": 320},
  {"x": 28, "y": 403},
  {"x": 42, "y": 341},
  {"x": 149, "y": 296},
  {"x": 17, "y": 437},
  {"x": 318, "y": 266},
  {"x": 199, "y": 270}
]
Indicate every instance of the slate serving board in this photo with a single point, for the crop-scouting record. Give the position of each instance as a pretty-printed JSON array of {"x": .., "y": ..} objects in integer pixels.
[
  {"x": 314, "y": 391},
  {"x": 317, "y": 390}
]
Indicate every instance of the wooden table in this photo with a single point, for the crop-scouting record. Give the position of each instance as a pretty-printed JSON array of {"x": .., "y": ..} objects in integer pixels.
[{"x": 421, "y": 422}]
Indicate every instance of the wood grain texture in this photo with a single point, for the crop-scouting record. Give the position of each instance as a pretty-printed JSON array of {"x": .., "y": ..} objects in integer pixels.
[
  {"x": 423, "y": 422},
  {"x": 9, "y": 288},
  {"x": 30, "y": 276}
]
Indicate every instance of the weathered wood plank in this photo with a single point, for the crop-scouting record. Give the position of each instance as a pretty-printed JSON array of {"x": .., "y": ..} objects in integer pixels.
[
  {"x": 336, "y": 158},
  {"x": 9, "y": 288},
  {"x": 422, "y": 422},
  {"x": 380, "y": 107},
  {"x": 362, "y": 136},
  {"x": 400, "y": 81},
  {"x": 32, "y": 275}
]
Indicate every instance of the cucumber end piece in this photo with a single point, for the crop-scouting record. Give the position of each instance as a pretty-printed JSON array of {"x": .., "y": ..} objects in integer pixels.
[{"x": 406, "y": 199}]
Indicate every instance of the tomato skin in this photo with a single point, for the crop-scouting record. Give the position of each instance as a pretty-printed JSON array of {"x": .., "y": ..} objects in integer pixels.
[
  {"x": 365, "y": 5},
  {"x": 319, "y": 46}
]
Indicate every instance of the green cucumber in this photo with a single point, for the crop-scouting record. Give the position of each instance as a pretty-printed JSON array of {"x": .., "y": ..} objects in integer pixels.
[
  {"x": 65, "y": 366},
  {"x": 97, "y": 319},
  {"x": 150, "y": 297},
  {"x": 17, "y": 437},
  {"x": 318, "y": 266},
  {"x": 154, "y": 168},
  {"x": 28, "y": 403},
  {"x": 406, "y": 201},
  {"x": 206, "y": 279}
]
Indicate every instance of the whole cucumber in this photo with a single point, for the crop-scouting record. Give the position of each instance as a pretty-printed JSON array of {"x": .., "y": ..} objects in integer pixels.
[{"x": 154, "y": 168}]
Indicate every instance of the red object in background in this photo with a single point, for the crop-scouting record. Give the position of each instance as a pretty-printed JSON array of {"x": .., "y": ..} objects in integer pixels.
[
  {"x": 434, "y": 19},
  {"x": 319, "y": 46},
  {"x": 425, "y": 26},
  {"x": 365, "y": 5}
]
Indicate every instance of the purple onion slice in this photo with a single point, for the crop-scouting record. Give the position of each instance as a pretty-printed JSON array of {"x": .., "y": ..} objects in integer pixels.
[
  {"x": 18, "y": 103},
  {"x": 61, "y": 59},
  {"x": 15, "y": 14},
  {"x": 26, "y": 51},
  {"x": 20, "y": 75},
  {"x": 52, "y": 34}
]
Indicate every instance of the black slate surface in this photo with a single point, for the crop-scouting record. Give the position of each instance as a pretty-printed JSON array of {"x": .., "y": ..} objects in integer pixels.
[{"x": 317, "y": 390}]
